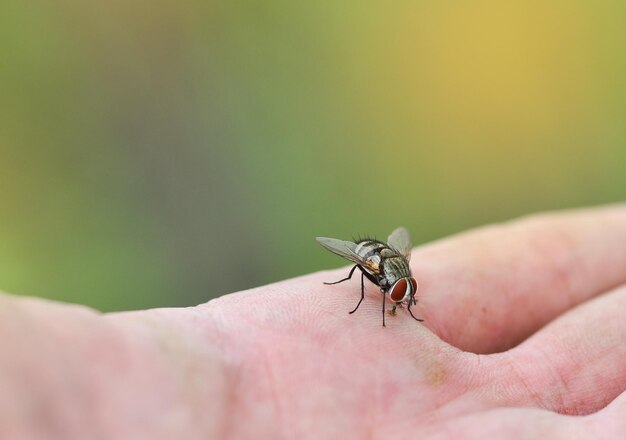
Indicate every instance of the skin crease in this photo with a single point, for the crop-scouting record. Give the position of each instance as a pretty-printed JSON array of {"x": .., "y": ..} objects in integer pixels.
[{"x": 523, "y": 338}]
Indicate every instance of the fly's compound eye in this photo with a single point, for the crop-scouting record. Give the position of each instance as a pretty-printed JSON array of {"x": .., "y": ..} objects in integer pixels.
[
  {"x": 399, "y": 290},
  {"x": 414, "y": 283}
]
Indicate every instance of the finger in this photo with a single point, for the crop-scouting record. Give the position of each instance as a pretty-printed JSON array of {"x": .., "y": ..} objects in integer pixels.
[
  {"x": 526, "y": 423},
  {"x": 487, "y": 290},
  {"x": 610, "y": 422},
  {"x": 505, "y": 423},
  {"x": 577, "y": 364}
]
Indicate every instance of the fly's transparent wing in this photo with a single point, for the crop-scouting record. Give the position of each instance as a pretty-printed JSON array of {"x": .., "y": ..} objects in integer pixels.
[
  {"x": 345, "y": 249},
  {"x": 401, "y": 241}
]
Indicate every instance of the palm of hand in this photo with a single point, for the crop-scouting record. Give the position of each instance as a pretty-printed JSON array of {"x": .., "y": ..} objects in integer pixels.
[{"x": 311, "y": 370}]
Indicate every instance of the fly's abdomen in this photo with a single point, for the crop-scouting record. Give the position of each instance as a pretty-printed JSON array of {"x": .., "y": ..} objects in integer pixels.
[
  {"x": 369, "y": 251},
  {"x": 366, "y": 248}
]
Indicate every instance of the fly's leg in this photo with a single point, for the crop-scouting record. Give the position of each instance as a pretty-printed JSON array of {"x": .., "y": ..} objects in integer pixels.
[
  {"x": 409, "y": 309},
  {"x": 362, "y": 290},
  {"x": 384, "y": 298},
  {"x": 345, "y": 279},
  {"x": 397, "y": 305}
]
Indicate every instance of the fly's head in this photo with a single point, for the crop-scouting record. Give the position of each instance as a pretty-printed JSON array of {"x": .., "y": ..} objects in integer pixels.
[{"x": 404, "y": 290}]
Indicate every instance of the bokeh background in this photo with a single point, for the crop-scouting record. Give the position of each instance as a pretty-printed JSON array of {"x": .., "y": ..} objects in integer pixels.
[{"x": 166, "y": 152}]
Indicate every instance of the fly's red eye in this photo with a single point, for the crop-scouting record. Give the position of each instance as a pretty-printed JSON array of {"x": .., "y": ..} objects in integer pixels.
[
  {"x": 414, "y": 285},
  {"x": 398, "y": 290}
]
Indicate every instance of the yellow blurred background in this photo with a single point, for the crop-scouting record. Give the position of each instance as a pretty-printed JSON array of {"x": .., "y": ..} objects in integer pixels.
[{"x": 163, "y": 153}]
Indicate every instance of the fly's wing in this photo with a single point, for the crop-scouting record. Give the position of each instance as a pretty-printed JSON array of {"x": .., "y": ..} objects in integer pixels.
[
  {"x": 345, "y": 249},
  {"x": 401, "y": 241}
]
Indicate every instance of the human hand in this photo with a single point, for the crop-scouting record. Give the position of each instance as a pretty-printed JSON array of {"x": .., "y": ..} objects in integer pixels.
[{"x": 542, "y": 300}]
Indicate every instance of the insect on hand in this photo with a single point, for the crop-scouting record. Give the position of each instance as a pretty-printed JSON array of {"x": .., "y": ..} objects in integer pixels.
[{"x": 384, "y": 264}]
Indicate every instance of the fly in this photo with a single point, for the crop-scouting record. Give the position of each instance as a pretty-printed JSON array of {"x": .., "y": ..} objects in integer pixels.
[{"x": 384, "y": 264}]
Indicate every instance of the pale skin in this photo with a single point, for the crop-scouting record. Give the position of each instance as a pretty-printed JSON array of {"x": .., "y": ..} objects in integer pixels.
[{"x": 542, "y": 299}]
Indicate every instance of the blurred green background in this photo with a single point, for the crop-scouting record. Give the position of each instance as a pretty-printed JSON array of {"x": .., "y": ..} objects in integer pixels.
[{"x": 163, "y": 153}]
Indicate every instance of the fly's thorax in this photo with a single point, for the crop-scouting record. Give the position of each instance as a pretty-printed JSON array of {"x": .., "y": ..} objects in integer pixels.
[
  {"x": 383, "y": 262},
  {"x": 395, "y": 266}
]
